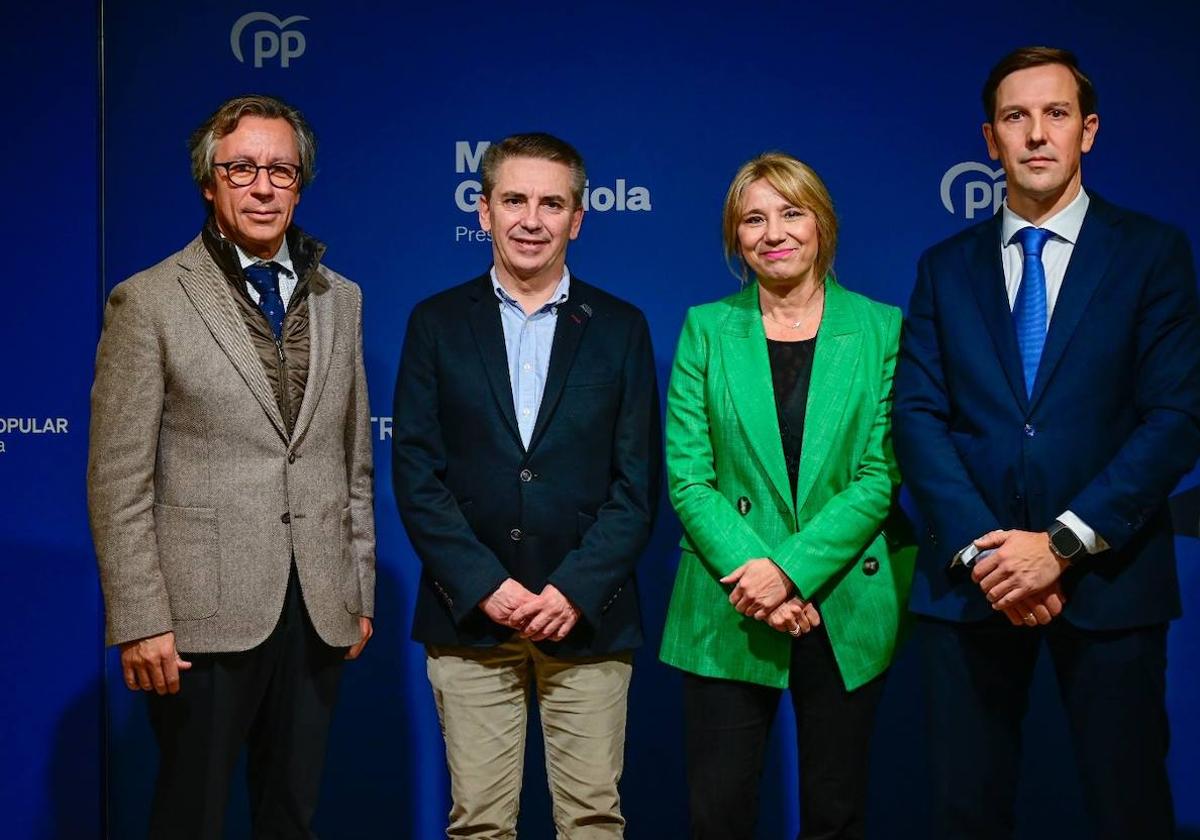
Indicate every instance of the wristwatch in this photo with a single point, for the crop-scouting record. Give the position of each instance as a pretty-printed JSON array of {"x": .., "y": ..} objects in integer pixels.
[{"x": 1064, "y": 542}]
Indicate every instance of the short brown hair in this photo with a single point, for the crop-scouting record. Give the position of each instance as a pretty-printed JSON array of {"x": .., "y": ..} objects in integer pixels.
[
  {"x": 1026, "y": 57},
  {"x": 224, "y": 121},
  {"x": 534, "y": 145},
  {"x": 801, "y": 186}
]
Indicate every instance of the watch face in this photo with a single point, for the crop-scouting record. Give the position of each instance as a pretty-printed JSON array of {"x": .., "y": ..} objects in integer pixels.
[{"x": 1064, "y": 541}]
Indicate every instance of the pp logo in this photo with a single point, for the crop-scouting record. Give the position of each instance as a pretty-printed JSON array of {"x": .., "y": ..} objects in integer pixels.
[
  {"x": 285, "y": 44},
  {"x": 978, "y": 194}
]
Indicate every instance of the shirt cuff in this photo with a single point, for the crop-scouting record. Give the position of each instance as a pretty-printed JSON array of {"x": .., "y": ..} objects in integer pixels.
[{"x": 1093, "y": 543}]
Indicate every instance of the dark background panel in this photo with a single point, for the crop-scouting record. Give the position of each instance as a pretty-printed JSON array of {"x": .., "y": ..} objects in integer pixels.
[{"x": 51, "y": 713}]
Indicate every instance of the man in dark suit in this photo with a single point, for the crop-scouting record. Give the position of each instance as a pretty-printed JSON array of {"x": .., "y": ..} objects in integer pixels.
[
  {"x": 1047, "y": 401},
  {"x": 526, "y": 461}
]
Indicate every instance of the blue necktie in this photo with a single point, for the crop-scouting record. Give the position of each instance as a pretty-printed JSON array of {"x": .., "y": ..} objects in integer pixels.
[
  {"x": 265, "y": 279},
  {"x": 1029, "y": 309}
]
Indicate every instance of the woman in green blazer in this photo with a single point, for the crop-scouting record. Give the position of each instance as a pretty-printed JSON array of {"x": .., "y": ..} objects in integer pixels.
[{"x": 795, "y": 568}]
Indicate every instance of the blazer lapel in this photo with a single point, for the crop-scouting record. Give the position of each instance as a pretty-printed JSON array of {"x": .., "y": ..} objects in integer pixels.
[
  {"x": 322, "y": 319},
  {"x": 209, "y": 292},
  {"x": 1098, "y": 240},
  {"x": 484, "y": 317},
  {"x": 748, "y": 377},
  {"x": 572, "y": 321},
  {"x": 835, "y": 363},
  {"x": 985, "y": 273}
]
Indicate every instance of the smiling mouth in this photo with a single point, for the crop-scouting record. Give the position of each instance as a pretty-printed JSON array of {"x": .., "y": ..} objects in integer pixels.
[{"x": 779, "y": 253}]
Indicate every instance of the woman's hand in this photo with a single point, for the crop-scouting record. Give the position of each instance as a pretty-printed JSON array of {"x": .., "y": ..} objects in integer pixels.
[
  {"x": 760, "y": 587},
  {"x": 794, "y": 616}
]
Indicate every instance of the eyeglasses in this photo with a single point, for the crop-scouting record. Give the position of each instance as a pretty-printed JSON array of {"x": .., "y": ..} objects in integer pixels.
[{"x": 243, "y": 173}]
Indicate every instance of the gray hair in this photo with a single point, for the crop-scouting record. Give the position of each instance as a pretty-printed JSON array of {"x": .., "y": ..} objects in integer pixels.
[
  {"x": 536, "y": 145},
  {"x": 224, "y": 121}
]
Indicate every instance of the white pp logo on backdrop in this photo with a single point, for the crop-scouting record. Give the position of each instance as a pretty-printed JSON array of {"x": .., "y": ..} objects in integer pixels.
[
  {"x": 978, "y": 193},
  {"x": 285, "y": 44}
]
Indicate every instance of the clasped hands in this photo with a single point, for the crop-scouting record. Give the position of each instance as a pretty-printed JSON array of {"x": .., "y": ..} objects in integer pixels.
[
  {"x": 1021, "y": 577},
  {"x": 546, "y": 616},
  {"x": 763, "y": 592}
]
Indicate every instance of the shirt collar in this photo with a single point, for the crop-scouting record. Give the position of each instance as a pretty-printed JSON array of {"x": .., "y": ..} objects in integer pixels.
[
  {"x": 560, "y": 295},
  {"x": 283, "y": 258},
  {"x": 1065, "y": 224}
]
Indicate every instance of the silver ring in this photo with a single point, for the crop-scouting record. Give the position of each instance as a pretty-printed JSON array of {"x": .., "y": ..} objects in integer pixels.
[
  {"x": 795, "y": 631},
  {"x": 1031, "y": 618}
]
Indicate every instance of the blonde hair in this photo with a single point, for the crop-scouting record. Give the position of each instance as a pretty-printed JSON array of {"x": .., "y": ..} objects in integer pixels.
[{"x": 801, "y": 186}]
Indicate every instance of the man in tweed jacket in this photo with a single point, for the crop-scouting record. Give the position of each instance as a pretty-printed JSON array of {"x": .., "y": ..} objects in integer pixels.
[{"x": 230, "y": 485}]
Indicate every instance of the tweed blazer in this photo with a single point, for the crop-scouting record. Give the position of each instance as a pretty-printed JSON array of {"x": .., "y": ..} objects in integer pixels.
[
  {"x": 728, "y": 482},
  {"x": 198, "y": 497}
]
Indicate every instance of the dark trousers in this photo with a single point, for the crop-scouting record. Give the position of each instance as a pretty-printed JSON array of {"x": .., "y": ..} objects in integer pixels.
[
  {"x": 1113, "y": 687},
  {"x": 727, "y": 724},
  {"x": 277, "y": 700}
]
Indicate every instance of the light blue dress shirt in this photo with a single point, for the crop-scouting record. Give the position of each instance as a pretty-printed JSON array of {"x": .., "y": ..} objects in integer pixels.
[{"x": 528, "y": 340}]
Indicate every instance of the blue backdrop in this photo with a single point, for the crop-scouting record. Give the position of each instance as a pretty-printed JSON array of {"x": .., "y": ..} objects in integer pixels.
[{"x": 664, "y": 102}]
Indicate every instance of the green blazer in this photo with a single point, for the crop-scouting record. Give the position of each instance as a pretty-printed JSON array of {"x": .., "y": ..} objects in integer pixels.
[{"x": 843, "y": 542}]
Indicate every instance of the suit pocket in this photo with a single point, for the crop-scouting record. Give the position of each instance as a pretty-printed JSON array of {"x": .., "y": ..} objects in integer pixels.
[
  {"x": 189, "y": 554},
  {"x": 353, "y": 585}
]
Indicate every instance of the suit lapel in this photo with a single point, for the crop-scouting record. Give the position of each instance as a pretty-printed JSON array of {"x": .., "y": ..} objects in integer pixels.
[
  {"x": 985, "y": 274},
  {"x": 484, "y": 317},
  {"x": 835, "y": 363},
  {"x": 571, "y": 323},
  {"x": 209, "y": 292},
  {"x": 322, "y": 319},
  {"x": 748, "y": 378},
  {"x": 1098, "y": 239}
]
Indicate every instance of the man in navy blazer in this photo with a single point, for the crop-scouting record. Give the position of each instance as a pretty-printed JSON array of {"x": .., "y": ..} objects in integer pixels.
[
  {"x": 527, "y": 461},
  {"x": 1047, "y": 402}
]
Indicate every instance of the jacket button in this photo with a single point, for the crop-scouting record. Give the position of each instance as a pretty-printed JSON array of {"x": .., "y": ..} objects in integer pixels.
[
  {"x": 743, "y": 505},
  {"x": 291, "y": 457},
  {"x": 870, "y": 566},
  {"x": 286, "y": 519},
  {"x": 526, "y": 475},
  {"x": 1029, "y": 430},
  {"x": 515, "y": 535}
]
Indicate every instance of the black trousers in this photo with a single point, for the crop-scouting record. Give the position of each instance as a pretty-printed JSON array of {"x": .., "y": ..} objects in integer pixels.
[
  {"x": 1113, "y": 687},
  {"x": 276, "y": 700},
  {"x": 727, "y": 724}
]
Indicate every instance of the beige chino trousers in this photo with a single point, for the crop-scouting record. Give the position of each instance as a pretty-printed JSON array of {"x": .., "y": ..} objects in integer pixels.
[{"x": 482, "y": 697}]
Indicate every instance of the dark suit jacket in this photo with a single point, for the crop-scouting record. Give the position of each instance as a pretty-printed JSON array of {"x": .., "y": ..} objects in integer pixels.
[
  {"x": 575, "y": 510},
  {"x": 1113, "y": 423}
]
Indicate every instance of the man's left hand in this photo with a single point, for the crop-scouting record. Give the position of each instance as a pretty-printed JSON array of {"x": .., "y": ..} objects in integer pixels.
[
  {"x": 548, "y": 615},
  {"x": 1021, "y": 565},
  {"x": 366, "y": 630}
]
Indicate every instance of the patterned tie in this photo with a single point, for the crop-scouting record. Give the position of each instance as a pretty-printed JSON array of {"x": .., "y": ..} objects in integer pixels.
[
  {"x": 1029, "y": 309},
  {"x": 265, "y": 279}
]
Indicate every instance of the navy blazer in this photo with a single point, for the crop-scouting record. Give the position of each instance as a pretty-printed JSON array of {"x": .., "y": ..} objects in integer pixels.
[
  {"x": 1113, "y": 423},
  {"x": 575, "y": 510}
]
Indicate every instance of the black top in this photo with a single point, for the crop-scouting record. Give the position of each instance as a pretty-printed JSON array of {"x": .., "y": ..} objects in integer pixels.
[{"x": 791, "y": 370}]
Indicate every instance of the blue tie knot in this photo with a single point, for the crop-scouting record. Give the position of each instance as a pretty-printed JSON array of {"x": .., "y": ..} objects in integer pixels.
[
  {"x": 1032, "y": 240},
  {"x": 265, "y": 279},
  {"x": 264, "y": 276}
]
